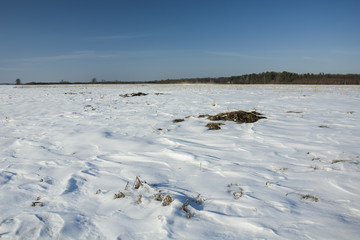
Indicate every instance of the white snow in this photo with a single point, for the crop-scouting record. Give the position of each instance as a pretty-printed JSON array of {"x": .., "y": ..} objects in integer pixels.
[{"x": 66, "y": 150}]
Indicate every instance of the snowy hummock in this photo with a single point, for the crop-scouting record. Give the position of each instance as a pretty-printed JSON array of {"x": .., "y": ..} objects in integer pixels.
[{"x": 87, "y": 162}]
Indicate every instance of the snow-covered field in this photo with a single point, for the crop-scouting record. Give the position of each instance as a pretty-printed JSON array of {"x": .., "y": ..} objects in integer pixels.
[{"x": 65, "y": 151}]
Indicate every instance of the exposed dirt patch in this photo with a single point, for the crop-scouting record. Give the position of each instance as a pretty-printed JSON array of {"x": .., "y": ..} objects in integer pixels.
[
  {"x": 214, "y": 126},
  {"x": 178, "y": 120},
  {"x": 203, "y": 115},
  {"x": 237, "y": 116},
  {"x": 134, "y": 94}
]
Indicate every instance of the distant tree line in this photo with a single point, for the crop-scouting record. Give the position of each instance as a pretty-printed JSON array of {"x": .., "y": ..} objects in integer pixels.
[
  {"x": 254, "y": 78},
  {"x": 276, "y": 78}
]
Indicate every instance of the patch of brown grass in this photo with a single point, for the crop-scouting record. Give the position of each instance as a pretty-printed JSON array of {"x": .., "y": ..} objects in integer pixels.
[
  {"x": 237, "y": 116},
  {"x": 348, "y": 161},
  {"x": 214, "y": 126},
  {"x": 178, "y": 120},
  {"x": 311, "y": 197}
]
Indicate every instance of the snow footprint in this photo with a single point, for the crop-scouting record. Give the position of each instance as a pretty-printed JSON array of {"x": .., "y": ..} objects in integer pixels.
[{"x": 73, "y": 184}]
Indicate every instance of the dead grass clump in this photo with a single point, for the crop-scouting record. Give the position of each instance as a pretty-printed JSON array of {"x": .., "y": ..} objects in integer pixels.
[
  {"x": 203, "y": 115},
  {"x": 37, "y": 203},
  {"x": 178, "y": 120},
  {"x": 138, "y": 183},
  {"x": 159, "y": 196},
  {"x": 119, "y": 195},
  {"x": 238, "y": 193},
  {"x": 139, "y": 199},
  {"x": 237, "y": 116},
  {"x": 214, "y": 126},
  {"x": 167, "y": 200},
  {"x": 282, "y": 169},
  {"x": 199, "y": 200},
  {"x": 133, "y": 94},
  {"x": 348, "y": 161},
  {"x": 311, "y": 197},
  {"x": 186, "y": 209}
]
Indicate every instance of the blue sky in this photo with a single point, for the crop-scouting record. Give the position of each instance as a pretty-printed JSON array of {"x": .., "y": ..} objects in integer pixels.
[{"x": 152, "y": 40}]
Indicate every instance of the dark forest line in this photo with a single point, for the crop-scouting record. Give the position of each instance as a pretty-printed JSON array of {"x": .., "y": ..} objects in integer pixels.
[{"x": 254, "y": 78}]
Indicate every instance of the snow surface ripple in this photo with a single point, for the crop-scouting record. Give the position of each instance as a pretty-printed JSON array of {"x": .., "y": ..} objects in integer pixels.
[{"x": 66, "y": 150}]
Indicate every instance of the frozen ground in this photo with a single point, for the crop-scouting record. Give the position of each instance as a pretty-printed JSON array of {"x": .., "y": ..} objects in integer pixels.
[{"x": 66, "y": 150}]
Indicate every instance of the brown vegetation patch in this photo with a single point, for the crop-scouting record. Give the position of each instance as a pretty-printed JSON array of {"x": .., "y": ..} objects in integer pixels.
[
  {"x": 37, "y": 203},
  {"x": 167, "y": 200},
  {"x": 311, "y": 197},
  {"x": 134, "y": 94},
  {"x": 178, "y": 120},
  {"x": 119, "y": 195},
  {"x": 236, "y": 116},
  {"x": 214, "y": 126},
  {"x": 348, "y": 161}
]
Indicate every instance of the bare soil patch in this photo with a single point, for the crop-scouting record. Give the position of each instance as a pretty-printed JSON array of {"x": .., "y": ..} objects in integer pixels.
[
  {"x": 214, "y": 126},
  {"x": 134, "y": 94},
  {"x": 178, "y": 120}
]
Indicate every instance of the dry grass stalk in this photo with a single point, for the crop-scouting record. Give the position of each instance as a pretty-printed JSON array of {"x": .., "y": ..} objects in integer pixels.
[
  {"x": 138, "y": 183},
  {"x": 185, "y": 209},
  {"x": 139, "y": 199}
]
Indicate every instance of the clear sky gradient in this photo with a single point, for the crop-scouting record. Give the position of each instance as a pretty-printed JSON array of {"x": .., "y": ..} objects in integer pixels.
[{"x": 140, "y": 40}]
